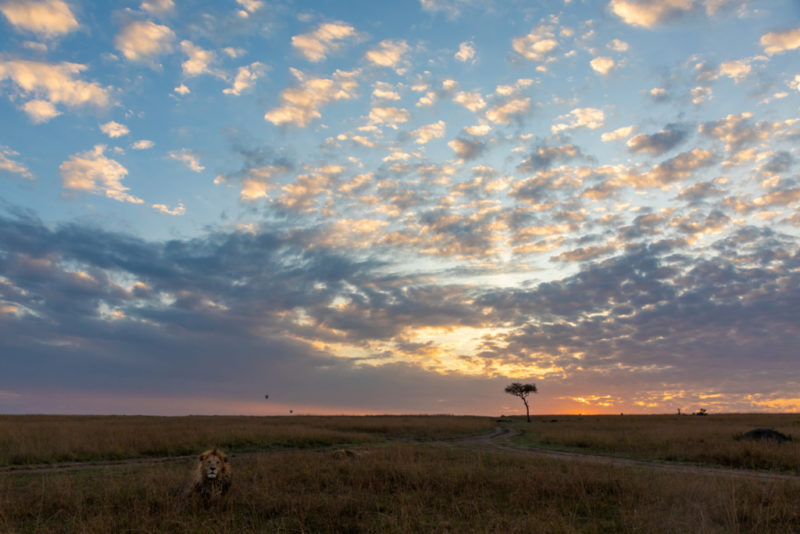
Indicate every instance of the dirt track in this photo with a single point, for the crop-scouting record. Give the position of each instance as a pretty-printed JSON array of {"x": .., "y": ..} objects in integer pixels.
[{"x": 495, "y": 441}]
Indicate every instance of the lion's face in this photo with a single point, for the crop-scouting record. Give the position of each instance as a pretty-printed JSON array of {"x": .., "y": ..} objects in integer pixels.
[{"x": 212, "y": 464}]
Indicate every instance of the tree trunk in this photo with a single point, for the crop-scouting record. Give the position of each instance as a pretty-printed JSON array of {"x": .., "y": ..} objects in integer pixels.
[{"x": 527, "y": 410}]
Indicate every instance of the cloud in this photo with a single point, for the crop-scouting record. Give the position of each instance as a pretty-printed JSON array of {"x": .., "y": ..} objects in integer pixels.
[
  {"x": 603, "y": 65},
  {"x": 425, "y": 134},
  {"x": 467, "y": 149},
  {"x": 591, "y": 118},
  {"x": 388, "y": 54},
  {"x": 157, "y": 7},
  {"x": 504, "y": 113},
  {"x": 40, "y": 111},
  {"x": 198, "y": 61},
  {"x": 48, "y": 18},
  {"x": 737, "y": 130},
  {"x": 388, "y": 115},
  {"x": 114, "y": 129},
  {"x": 779, "y": 42},
  {"x": 93, "y": 172},
  {"x": 385, "y": 91},
  {"x": 8, "y": 164},
  {"x": 163, "y": 208},
  {"x": 472, "y": 100},
  {"x": 738, "y": 70},
  {"x": 300, "y": 105},
  {"x": 188, "y": 158},
  {"x": 618, "y": 45},
  {"x": 326, "y": 38},
  {"x": 675, "y": 169},
  {"x": 701, "y": 95},
  {"x": 452, "y": 8},
  {"x": 182, "y": 89},
  {"x": 543, "y": 157},
  {"x": 619, "y": 133},
  {"x": 143, "y": 144},
  {"x": 250, "y": 7},
  {"x": 466, "y": 52},
  {"x": 538, "y": 45},
  {"x": 658, "y": 143},
  {"x": 142, "y": 40},
  {"x": 246, "y": 78},
  {"x": 650, "y": 13},
  {"x": 52, "y": 84}
]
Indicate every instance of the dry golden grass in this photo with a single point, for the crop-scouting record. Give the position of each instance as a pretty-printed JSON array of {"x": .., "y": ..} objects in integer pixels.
[
  {"x": 707, "y": 440},
  {"x": 399, "y": 488},
  {"x": 46, "y": 439}
]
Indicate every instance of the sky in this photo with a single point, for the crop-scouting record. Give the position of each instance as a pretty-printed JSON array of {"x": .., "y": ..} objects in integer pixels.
[{"x": 399, "y": 207}]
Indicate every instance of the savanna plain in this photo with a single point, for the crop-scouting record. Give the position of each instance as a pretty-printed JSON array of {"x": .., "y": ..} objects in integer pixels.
[{"x": 407, "y": 474}]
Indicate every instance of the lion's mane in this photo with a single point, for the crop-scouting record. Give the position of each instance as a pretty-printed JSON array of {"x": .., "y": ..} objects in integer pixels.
[{"x": 211, "y": 477}]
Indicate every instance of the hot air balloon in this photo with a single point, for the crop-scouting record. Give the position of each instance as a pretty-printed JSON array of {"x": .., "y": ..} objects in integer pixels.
[{"x": 266, "y": 396}]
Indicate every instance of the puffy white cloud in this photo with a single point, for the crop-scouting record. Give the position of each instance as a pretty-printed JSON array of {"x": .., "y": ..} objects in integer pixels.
[
  {"x": 327, "y": 37},
  {"x": 163, "y": 208},
  {"x": 472, "y": 100},
  {"x": 157, "y": 7},
  {"x": 591, "y": 118},
  {"x": 430, "y": 131},
  {"x": 659, "y": 142},
  {"x": 40, "y": 111},
  {"x": 602, "y": 64},
  {"x": 250, "y": 7},
  {"x": 795, "y": 83},
  {"x": 478, "y": 130},
  {"x": 182, "y": 90},
  {"x": 503, "y": 113},
  {"x": 245, "y": 78},
  {"x": 198, "y": 61},
  {"x": 92, "y": 172},
  {"x": 300, "y": 105},
  {"x": 388, "y": 115},
  {"x": 8, "y": 164},
  {"x": 778, "y": 42},
  {"x": 616, "y": 135},
  {"x": 385, "y": 91},
  {"x": 52, "y": 84},
  {"x": 141, "y": 40},
  {"x": 114, "y": 129},
  {"x": 452, "y": 8},
  {"x": 188, "y": 158},
  {"x": 649, "y": 13},
  {"x": 508, "y": 90},
  {"x": 618, "y": 45},
  {"x": 143, "y": 144},
  {"x": 466, "y": 149},
  {"x": 701, "y": 94},
  {"x": 47, "y": 18},
  {"x": 537, "y": 45},
  {"x": 388, "y": 54},
  {"x": 466, "y": 52}
]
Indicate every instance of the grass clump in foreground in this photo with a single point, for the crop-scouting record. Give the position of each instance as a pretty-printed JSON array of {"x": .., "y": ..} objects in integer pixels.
[
  {"x": 32, "y": 439},
  {"x": 710, "y": 440},
  {"x": 399, "y": 488}
]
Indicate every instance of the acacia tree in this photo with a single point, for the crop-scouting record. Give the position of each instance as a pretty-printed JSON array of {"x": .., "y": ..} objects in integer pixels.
[{"x": 522, "y": 391}]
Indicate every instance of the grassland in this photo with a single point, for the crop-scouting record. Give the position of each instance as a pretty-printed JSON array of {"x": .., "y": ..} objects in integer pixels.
[
  {"x": 709, "y": 440},
  {"x": 405, "y": 479},
  {"x": 33, "y": 439}
]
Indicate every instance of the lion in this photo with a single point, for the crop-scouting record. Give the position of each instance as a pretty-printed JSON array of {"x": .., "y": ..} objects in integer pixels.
[
  {"x": 344, "y": 454},
  {"x": 211, "y": 478}
]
